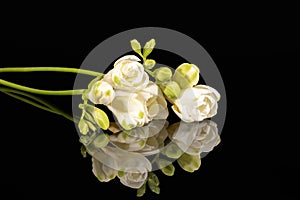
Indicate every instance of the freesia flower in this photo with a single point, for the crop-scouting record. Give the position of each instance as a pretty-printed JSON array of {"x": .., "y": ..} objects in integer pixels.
[
  {"x": 101, "y": 93},
  {"x": 103, "y": 172},
  {"x": 134, "y": 179},
  {"x": 206, "y": 139},
  {"x": 196, "y": 103},
  {"x": 131, "y": 168},
  {"x": 128, "y": 74},
  {"x": 134, "y": 109},
  {"x": 196, "y": 137}
]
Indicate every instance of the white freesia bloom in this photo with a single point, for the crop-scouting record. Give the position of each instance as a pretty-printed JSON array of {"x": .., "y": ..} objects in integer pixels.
[
  {"x": 132, "y": 167},
  {"x": 196, "y": 103},
  {"x": 195, "y": 138},
  {"x": 128, "y": 74},
  {"x": 134, "y": 179},
  {"x": 134, "y": 109},
  {"x": 103, "y": 172},
  {"x": 101, "y": 93},
  {"x": 206, "y": 139}
]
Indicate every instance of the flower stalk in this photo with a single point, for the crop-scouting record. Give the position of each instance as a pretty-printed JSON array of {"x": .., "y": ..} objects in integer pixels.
[
  {"x": 50, "y": 69},
  {"x": 46, "y": 69},
  {"x": 37, "y": 102}
]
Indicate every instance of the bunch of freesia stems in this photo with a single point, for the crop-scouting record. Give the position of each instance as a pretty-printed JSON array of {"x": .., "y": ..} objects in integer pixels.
[{"x": 139, "y": 140}]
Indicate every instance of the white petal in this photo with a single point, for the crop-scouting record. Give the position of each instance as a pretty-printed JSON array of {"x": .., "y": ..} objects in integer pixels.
[
  {"x": 128, "y": 57},
  {"x": 133, "y": 183},
  {"x": 103, "y": 172}
]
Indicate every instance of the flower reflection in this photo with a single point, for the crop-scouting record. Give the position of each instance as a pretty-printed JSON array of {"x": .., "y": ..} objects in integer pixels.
[
  {"x": 146, "y": 140},
  {"x": 131, "y": 155},
  {"x": 195, "y": 138},
  {"x": 131, "y": 168}
]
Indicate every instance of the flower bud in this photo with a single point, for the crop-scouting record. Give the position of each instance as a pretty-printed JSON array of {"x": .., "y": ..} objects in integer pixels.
[
  {"x": 186, "y": 75},
  {"x": 171, "y": 90},
  {"x": 149, "y": 63},
  {"x": 172, "y": 151},
  {"x": 101, "y": 93},
  {"x": 166, "y": 167},
  {"x": 189, "y": 163},
  {"x": 83, "y": 127},
  {"x": 100, "y": 118},
  {"x": 163, "y": 74}
]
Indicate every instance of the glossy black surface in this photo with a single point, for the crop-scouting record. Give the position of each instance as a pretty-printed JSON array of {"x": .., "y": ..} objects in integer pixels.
[{"x": 40, "y": 151}]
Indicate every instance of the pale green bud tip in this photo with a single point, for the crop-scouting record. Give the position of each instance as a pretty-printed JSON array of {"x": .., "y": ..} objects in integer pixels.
[
  {"x": 101, "y": 118},
  {"x": 186, "y": 75},
  {"x": 172, "y": 151},
  {"x": 83, "y": 127},
  {"x": 153, "y": 179},
  {"x": 141, "y": 191},
  {"x": 149, "y": 46},
  {"x": 189, "y": 163},
  {"x": 168, "y": 170},
  {"x": 172, "y": 90},
  {"x": 136, "y": 46},
  {"x": 163, "y": 74},
  {"x": 166, "y": 167},
  {"x": 153, "y": 183},
  {"x": 149, "y": 63}
]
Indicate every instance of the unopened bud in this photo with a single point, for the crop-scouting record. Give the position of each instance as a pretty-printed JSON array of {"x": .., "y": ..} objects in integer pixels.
[
  {"x": 171, "y": 90},
  {"x": 163, "y": 74},
  {"x": 186, "y": 75},
  {"x": 101, "y": 93}
]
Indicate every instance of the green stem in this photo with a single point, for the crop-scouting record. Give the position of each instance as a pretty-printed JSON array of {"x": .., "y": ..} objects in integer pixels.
[
  {"x": 52, "y": 69},
  {"x": 43, "y": 92},
  {"x": 150, "y": 72},
  {"x": 29, "y": 102},
  {"x": 37, "y": 99},
  {"x": 46, "y": 106}
]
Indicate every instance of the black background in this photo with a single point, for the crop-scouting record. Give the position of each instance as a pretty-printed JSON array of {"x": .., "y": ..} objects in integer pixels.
[{"x": 256, "y": 51}]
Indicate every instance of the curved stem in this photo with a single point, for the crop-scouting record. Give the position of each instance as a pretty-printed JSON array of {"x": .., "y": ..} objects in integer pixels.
[
  {"x": 30, "y": 102},
  {"x": 38, "y": 91},
  {"x": 46, "y": 106},
  {"x": 37, "y": 99},
  {"x": 149, "y": 72},
  {"x": 52, "y": 69}
]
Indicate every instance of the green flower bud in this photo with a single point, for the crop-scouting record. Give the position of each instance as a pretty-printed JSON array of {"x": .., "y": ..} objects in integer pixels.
[
  {"x": 163, "y": 74},
  {"x": 166, "y": 167},
  {"x": 149, "y": 63},
  {"x": 171, "y": 90},
  {"x": 153, "y": 183},
  {"x": 100, "y": 118},
  {"x": 172, "y": 151},
  {"x": 83, "y": 127},
  {"x": 153, "y": 178},
  {"x": 149, "y": 46},
  {"x": 98, "y": 115},
  {"x": 186, "y": 75},
  {"x": 141, "y": 191},
  {"x": 136, "y": 46},
  {"x": 189, "y": 163}
]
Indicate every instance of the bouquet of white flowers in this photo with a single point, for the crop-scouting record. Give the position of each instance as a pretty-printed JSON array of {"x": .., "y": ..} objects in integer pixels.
[{"x": 139, "y": 140}]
